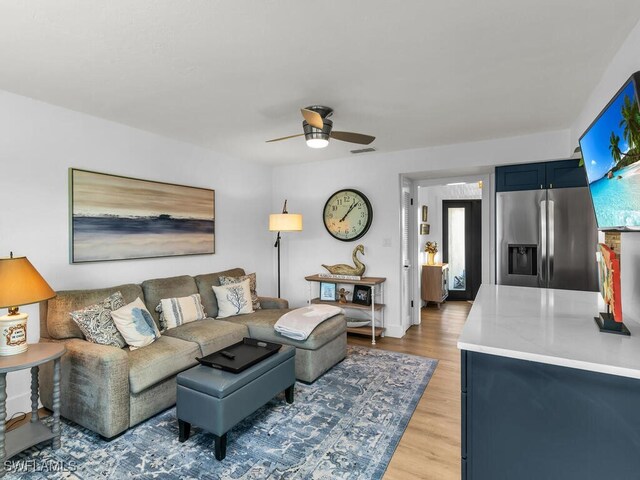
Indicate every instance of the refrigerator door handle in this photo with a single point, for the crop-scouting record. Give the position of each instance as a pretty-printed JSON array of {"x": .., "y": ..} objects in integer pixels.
[
  {"x": 542, "y": 262},
  {"x": 551, "y": 241}
]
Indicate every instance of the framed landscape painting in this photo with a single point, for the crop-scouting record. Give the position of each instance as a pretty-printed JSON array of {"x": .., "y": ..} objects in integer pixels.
[{"x": 121, "y": 218}]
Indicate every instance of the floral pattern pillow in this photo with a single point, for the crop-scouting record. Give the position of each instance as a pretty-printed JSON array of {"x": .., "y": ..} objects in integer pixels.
[
  {"x": 252, "y": 286},
  {"x": 96, "y": 323}
]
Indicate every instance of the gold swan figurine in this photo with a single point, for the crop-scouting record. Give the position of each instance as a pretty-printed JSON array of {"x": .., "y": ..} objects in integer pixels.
[{"x": 344, "y": 269}]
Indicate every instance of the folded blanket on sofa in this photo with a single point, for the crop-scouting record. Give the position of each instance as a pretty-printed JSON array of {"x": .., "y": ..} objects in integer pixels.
[{"x": 299, "y": 323}]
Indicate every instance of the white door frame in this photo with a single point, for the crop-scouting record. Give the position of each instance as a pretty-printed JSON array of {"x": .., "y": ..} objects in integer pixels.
[
  {"x": 405, "y": 182},
  {"x": 488, "y": 230}
]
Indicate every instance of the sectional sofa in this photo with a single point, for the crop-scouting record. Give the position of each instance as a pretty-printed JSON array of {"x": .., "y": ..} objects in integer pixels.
[{"x": 108, "y": 390}]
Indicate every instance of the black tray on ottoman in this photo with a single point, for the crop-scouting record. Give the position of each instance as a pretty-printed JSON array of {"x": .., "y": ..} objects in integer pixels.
[{"x": 245, "y": 354}]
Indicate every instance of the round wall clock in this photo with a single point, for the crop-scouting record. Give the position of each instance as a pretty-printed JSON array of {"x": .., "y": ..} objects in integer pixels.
[{"x": 347, "y": 215}]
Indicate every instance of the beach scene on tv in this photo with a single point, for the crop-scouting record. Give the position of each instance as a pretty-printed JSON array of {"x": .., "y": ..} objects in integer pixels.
[{"x": 611, "y": 153}]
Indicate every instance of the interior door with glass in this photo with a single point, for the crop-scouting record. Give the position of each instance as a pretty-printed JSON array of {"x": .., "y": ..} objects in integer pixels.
[{"x": 462, "y": 247}]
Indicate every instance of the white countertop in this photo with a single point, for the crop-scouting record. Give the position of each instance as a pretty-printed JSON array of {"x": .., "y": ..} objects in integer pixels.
[{"x": 549, "y": 326}]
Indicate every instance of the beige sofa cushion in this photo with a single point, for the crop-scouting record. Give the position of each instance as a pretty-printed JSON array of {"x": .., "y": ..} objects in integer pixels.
[
  {"x": 172, "y": 287},
  {"x": 211, "y": 335},
  {"x": 55, "y": 320},
  {"x": 261, "y": 324},
  {"x": 205, "y": 282},
  {"x": 164, "y": 358}
]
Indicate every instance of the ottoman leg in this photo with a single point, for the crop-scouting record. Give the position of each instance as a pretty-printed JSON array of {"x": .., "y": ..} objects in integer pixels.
[
  {"x": 184, "y": 429},
  {"x": 220, "y": 446},
  {"x": 288, "y": 394}
]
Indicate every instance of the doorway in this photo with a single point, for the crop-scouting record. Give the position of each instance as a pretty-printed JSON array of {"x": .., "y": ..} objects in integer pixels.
[
  {"x": 428, "y": 191},
  {"x": 462, "y": 246}
]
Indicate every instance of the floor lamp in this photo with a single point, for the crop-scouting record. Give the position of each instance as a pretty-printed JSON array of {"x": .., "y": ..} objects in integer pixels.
[{"x": 284, "y": 222}]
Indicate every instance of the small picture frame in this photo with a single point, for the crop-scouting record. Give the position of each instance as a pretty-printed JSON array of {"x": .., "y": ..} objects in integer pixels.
[
  {"x": 362, "y": 295},
  {"x": 425, "y": 213},
  {"x": 327, "y": 292},
  {"x": 424, "y": 229}
]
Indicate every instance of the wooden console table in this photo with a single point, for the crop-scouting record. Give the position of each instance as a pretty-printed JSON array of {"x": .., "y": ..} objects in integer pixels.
[
  {"x": 35, "y": 431},
  {"x": 433, "y": 287},
  {"x": 373, "y": 282}
]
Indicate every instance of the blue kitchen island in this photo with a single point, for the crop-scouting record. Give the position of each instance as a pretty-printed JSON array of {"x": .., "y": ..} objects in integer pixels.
[{"x": 545, "y": 395}]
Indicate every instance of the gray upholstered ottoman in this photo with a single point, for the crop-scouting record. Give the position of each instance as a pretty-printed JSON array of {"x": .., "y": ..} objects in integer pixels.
[{"x": 216, "y": 400}]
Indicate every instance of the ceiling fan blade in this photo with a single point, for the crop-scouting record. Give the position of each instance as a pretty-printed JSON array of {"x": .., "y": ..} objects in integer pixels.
[
  {"x": 285, "y": 138},
  {"x": 353, "y": 137},
  {"x": 313, "y": 118}
]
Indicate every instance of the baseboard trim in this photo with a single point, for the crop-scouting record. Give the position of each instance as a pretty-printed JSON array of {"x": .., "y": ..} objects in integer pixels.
[
  {"x": 395, "y": 331},
  {"x": 19, "y": 403}
]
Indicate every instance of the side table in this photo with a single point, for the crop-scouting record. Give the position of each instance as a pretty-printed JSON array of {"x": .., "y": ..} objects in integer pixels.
[
  {"x": 376, "y": 284},
  {"x": 35, "y": 431}
]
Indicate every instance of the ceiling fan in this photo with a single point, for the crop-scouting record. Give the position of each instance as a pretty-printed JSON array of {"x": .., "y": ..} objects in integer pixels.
[{"x": 318, "y": 129}]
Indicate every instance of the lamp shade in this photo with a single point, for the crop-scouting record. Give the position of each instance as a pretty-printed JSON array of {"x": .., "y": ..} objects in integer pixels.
[
  {"x": 285, "y": 222},
  {"x": 21, "y": 284}
]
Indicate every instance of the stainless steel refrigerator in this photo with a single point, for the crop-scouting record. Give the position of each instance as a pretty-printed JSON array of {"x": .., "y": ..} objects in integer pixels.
[{"x": 547, "y": 238}]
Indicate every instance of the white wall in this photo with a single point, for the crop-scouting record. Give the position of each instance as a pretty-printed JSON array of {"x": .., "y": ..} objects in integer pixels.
[
  {"x": 38, "y": 144},
  {"x": 307, "y": 186},
  {"x": 623, "y": 64}
]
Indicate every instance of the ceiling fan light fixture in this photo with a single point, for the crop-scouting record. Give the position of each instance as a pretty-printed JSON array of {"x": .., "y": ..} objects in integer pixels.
[
  {"x": 316, "y": 137},
  {"x": 317, "y": 142},
  {"x": 318, "y": 129}
]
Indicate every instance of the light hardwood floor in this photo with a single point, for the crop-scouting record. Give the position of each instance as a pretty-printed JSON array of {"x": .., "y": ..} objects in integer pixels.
[{"x": 430, "y": 446}]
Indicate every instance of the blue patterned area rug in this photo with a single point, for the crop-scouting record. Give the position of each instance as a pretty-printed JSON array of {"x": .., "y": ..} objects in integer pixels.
[{"x": 344, "y": 426}]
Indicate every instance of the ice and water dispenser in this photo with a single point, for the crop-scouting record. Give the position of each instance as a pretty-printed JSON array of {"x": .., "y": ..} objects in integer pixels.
[{"x": 523, "y": 260}]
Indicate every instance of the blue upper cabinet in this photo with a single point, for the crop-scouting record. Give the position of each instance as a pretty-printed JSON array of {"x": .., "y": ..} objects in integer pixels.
[
  {"x": 566, "y": 174},
  {"x": 528, "y": 176},
  {"x": 536, "y": 176}
]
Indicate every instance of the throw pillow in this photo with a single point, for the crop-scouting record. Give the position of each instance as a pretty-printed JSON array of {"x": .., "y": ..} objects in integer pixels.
[
  {"x": 136, "y": 324},
  {"x": 234, "y": 299},
  {"x": 161, "y": 320},
  {"x": 96, "y": 323},
  {"x": 252, "y": 286},
  {"x": 177, "y": 311}
]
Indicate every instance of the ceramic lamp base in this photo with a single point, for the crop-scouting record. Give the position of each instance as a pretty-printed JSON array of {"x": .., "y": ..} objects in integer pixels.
[{"x": 13, "y": 334}]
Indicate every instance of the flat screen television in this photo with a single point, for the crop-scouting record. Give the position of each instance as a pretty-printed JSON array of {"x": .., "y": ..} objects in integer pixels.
[{"x": 611, "y": 153}]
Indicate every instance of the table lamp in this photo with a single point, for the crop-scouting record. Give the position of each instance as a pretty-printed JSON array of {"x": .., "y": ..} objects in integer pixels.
[
  {"x": 284, "y": 222},
  {"x": 20, "y": 284}
]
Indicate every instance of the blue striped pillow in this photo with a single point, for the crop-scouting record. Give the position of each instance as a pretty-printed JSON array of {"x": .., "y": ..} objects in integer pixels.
[{"x": 178, "y": 311}]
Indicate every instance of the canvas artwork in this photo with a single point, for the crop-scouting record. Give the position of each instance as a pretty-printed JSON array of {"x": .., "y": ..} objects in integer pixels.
[{"x": 119, "y": 218}]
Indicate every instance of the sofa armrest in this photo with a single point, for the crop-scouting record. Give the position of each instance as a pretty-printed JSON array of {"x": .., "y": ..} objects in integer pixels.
[
  {"x": 94, "y": 386},
  {"x": 273, "y": 302}
]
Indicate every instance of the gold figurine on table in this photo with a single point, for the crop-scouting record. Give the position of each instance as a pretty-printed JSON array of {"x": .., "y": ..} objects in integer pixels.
[
  {"x": 431, "y": 248},
  {"x": 343, "y": 295}
]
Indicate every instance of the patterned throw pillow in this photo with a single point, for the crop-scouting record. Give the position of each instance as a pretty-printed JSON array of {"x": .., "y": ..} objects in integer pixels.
[
  {"x": 161, "y": 320},
  {"x": 96, "y": 323},
  {"x": 136, "y": 324},
  {"x": 234, "y": 299},
  {"x": 177, "y": 311},
  {"x": 252, "y": 286}
]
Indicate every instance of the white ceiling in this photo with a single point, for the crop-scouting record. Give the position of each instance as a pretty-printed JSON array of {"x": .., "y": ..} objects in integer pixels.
[{"x": 231, "y": 74}]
